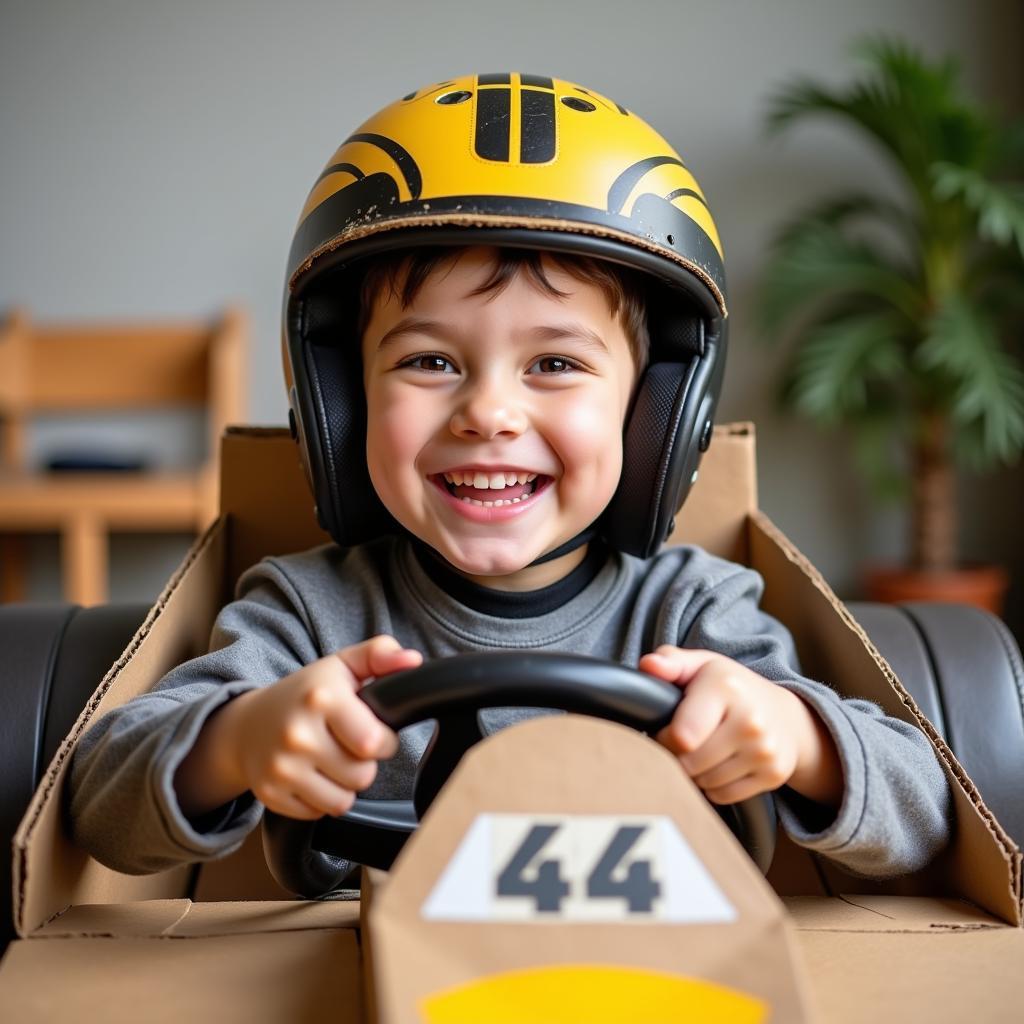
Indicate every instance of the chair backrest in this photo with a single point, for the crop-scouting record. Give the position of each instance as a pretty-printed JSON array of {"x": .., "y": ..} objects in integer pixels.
[{"x": 68, "y": 368}]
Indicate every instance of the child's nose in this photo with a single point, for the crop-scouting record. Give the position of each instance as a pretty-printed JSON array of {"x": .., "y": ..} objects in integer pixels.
[{"x": 487, "y": 411}]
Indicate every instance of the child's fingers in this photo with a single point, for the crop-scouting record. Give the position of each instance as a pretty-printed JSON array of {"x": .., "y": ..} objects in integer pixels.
[
  {"x": 359, "y": 731},
  {"x": 308, "y": 796},
  {"x": 699, "y": 714},
  {"x": 378, "y": 656},
  {"x": 724, "y": 773},
  {"x": 742, "y": 789},
  {"x": 716, "y": 749},
  {"x": 323, "y": 794},
  {"x": 675, "y": 664},
  {"x": 333, "y": 762},
  {"x": 290, "y": 806}
]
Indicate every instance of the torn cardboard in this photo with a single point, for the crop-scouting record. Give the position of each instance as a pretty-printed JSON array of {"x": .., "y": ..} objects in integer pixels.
[{"x": 920, "y": 962}]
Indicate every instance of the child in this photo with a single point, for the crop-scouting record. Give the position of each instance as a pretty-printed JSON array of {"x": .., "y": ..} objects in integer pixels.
[{"x": 476, "y": 392}]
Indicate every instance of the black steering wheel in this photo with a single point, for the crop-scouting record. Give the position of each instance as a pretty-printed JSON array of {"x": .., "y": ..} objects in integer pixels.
[{"x": 304, "y": 856}]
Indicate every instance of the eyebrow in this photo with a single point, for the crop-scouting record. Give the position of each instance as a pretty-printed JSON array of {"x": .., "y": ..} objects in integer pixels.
[
  {"x": 411, "y": 325},
  {"x": 545, "y": 332}
]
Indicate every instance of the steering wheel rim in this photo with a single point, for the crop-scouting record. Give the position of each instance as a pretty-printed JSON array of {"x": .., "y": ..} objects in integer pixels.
[{"x": 452, "y": 691}]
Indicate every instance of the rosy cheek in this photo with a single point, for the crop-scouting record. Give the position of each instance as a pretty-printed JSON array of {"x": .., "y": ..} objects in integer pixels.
[
  {"x": 591, "y": 437},
  {"x": 399, "y": 428}
]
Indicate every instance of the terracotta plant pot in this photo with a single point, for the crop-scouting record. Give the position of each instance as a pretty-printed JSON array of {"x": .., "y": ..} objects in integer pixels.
[{"x": 983, "y": 586}]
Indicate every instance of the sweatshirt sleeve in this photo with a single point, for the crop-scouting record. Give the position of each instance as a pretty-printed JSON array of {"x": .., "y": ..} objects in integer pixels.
[
  {"x": 896, "y": 812},
  {"x": 122, "y": 803}
]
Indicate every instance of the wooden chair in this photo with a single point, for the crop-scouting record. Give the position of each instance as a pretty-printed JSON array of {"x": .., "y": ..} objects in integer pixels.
[{"x": 72, "y": 369}]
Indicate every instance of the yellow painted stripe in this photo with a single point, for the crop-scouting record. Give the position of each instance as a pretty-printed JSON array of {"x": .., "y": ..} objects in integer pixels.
[{"x": 591, "y": 994}]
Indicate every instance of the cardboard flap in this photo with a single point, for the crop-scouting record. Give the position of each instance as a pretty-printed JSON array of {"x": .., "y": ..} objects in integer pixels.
[
  {"x": 271, "y": 509},
  {"x": 982, "y": 863},
  {"x": 566, "y": 844},
  {"x": 50, "y": 872}
]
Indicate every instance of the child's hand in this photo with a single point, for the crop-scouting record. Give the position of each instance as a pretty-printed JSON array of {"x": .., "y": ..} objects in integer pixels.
[
  {"x": 305, "y": 745},
  {"x": 736, "y": 734}
]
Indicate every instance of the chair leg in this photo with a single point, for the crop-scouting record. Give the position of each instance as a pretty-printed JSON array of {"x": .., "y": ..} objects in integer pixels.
[
  {"x": 13, "y": 568},
  {"x": 84, "y": 560}
]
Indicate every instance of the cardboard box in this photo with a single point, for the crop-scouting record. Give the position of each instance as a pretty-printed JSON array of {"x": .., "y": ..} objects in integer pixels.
[{"x": 941, "y": 945}]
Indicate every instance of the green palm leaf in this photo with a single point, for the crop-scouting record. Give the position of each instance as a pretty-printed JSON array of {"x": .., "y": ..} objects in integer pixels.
[
  {"x": 910, "y": 107},
  {"x": 814, "y": 267},
  {"x": 847, "y": 367},
  {"x": 856, "y": 208},
  {"x": 987, "y": 383},
  {"x": 999, "y": 208}
]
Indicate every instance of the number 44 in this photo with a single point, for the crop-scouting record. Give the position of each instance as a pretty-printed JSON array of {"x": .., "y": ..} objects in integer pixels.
[{"x": 546, "y": 886}]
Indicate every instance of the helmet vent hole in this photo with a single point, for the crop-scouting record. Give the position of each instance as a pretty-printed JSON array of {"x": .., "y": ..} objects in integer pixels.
[
  {"x": 459, "y": 96},
  {"x": 671, "y": 239},
  {"x": 574, "y": 103}
]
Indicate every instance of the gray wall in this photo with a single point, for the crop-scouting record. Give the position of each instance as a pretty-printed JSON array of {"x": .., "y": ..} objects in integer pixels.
[{"x": 153, "y": 159}]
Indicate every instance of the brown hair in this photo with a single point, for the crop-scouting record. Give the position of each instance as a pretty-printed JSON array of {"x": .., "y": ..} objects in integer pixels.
[{"x": 623, "y": 288}]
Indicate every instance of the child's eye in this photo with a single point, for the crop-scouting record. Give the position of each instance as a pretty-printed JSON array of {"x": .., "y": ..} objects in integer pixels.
[
  {"x": 429, "y": 362},
  {"x": 554, "y": 364}
]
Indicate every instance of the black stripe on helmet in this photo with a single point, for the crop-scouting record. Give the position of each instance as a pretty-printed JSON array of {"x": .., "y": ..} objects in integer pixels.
[
  {"x": 537, "y": 126},
  {"x": 538, "y": 81},
  {"x": 623, "y": 184},
  {"x": 676, "y": 193},
  {"x": 502, "y": 79},
  {"x": 493, "y": 123},
  {"x": 337, "y": 169},
  {"x": 406, "y": 164}
]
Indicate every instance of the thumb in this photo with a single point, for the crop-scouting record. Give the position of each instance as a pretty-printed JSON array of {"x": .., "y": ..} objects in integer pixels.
[
  {"x": 679, "y": 665},
  {"x": 376, "y": 657}
]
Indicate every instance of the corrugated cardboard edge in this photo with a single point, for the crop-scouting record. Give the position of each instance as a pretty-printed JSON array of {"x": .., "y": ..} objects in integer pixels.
[
  {"x": 23, "y": 838},
  {"x": 968, "y": 860},
  {"x": 184, "y": 919},
  {"x": 372, "y": 881}
]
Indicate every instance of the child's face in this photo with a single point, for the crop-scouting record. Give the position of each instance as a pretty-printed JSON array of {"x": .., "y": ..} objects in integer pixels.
[{"x": 512, "y": 388}]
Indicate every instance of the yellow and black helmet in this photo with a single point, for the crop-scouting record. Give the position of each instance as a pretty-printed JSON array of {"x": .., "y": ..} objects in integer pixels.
[{"x": 522, "y": 161}]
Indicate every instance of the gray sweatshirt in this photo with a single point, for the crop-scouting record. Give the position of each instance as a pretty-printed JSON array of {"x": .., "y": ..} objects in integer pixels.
[{"x": 895, "y": 815}]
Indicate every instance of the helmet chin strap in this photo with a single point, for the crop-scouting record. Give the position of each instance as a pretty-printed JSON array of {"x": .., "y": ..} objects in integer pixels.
[{"x": 581, "y": 538}]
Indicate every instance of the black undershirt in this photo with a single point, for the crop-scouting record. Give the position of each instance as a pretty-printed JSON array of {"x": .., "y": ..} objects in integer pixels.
[{"x": 511, "y": 604}]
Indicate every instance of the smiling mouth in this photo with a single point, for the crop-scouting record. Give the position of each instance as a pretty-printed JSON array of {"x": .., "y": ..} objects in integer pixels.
[{"x": 490, "y": 490}]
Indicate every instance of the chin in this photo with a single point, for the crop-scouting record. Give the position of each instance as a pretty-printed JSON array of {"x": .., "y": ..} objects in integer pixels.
[{"x": 487, "y": 563}]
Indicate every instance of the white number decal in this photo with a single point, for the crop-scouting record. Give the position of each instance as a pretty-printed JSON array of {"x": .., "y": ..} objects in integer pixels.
[{"x": 513, "y": 867}]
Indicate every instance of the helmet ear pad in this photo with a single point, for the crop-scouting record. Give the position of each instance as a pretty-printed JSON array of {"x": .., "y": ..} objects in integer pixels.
[
  {"x": 665, "y": 433},
  {"x": 348, "y": 506},
  {"x": 329, "y": 403}
]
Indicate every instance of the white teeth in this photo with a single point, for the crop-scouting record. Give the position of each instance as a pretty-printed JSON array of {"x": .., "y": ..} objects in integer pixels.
[
  {"x": 492, "y": 504},
  {"x": 488, "y": 481}
]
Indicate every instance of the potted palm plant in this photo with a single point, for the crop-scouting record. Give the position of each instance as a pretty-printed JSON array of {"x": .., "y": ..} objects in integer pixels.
[{"x": 903, "y": 319}]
